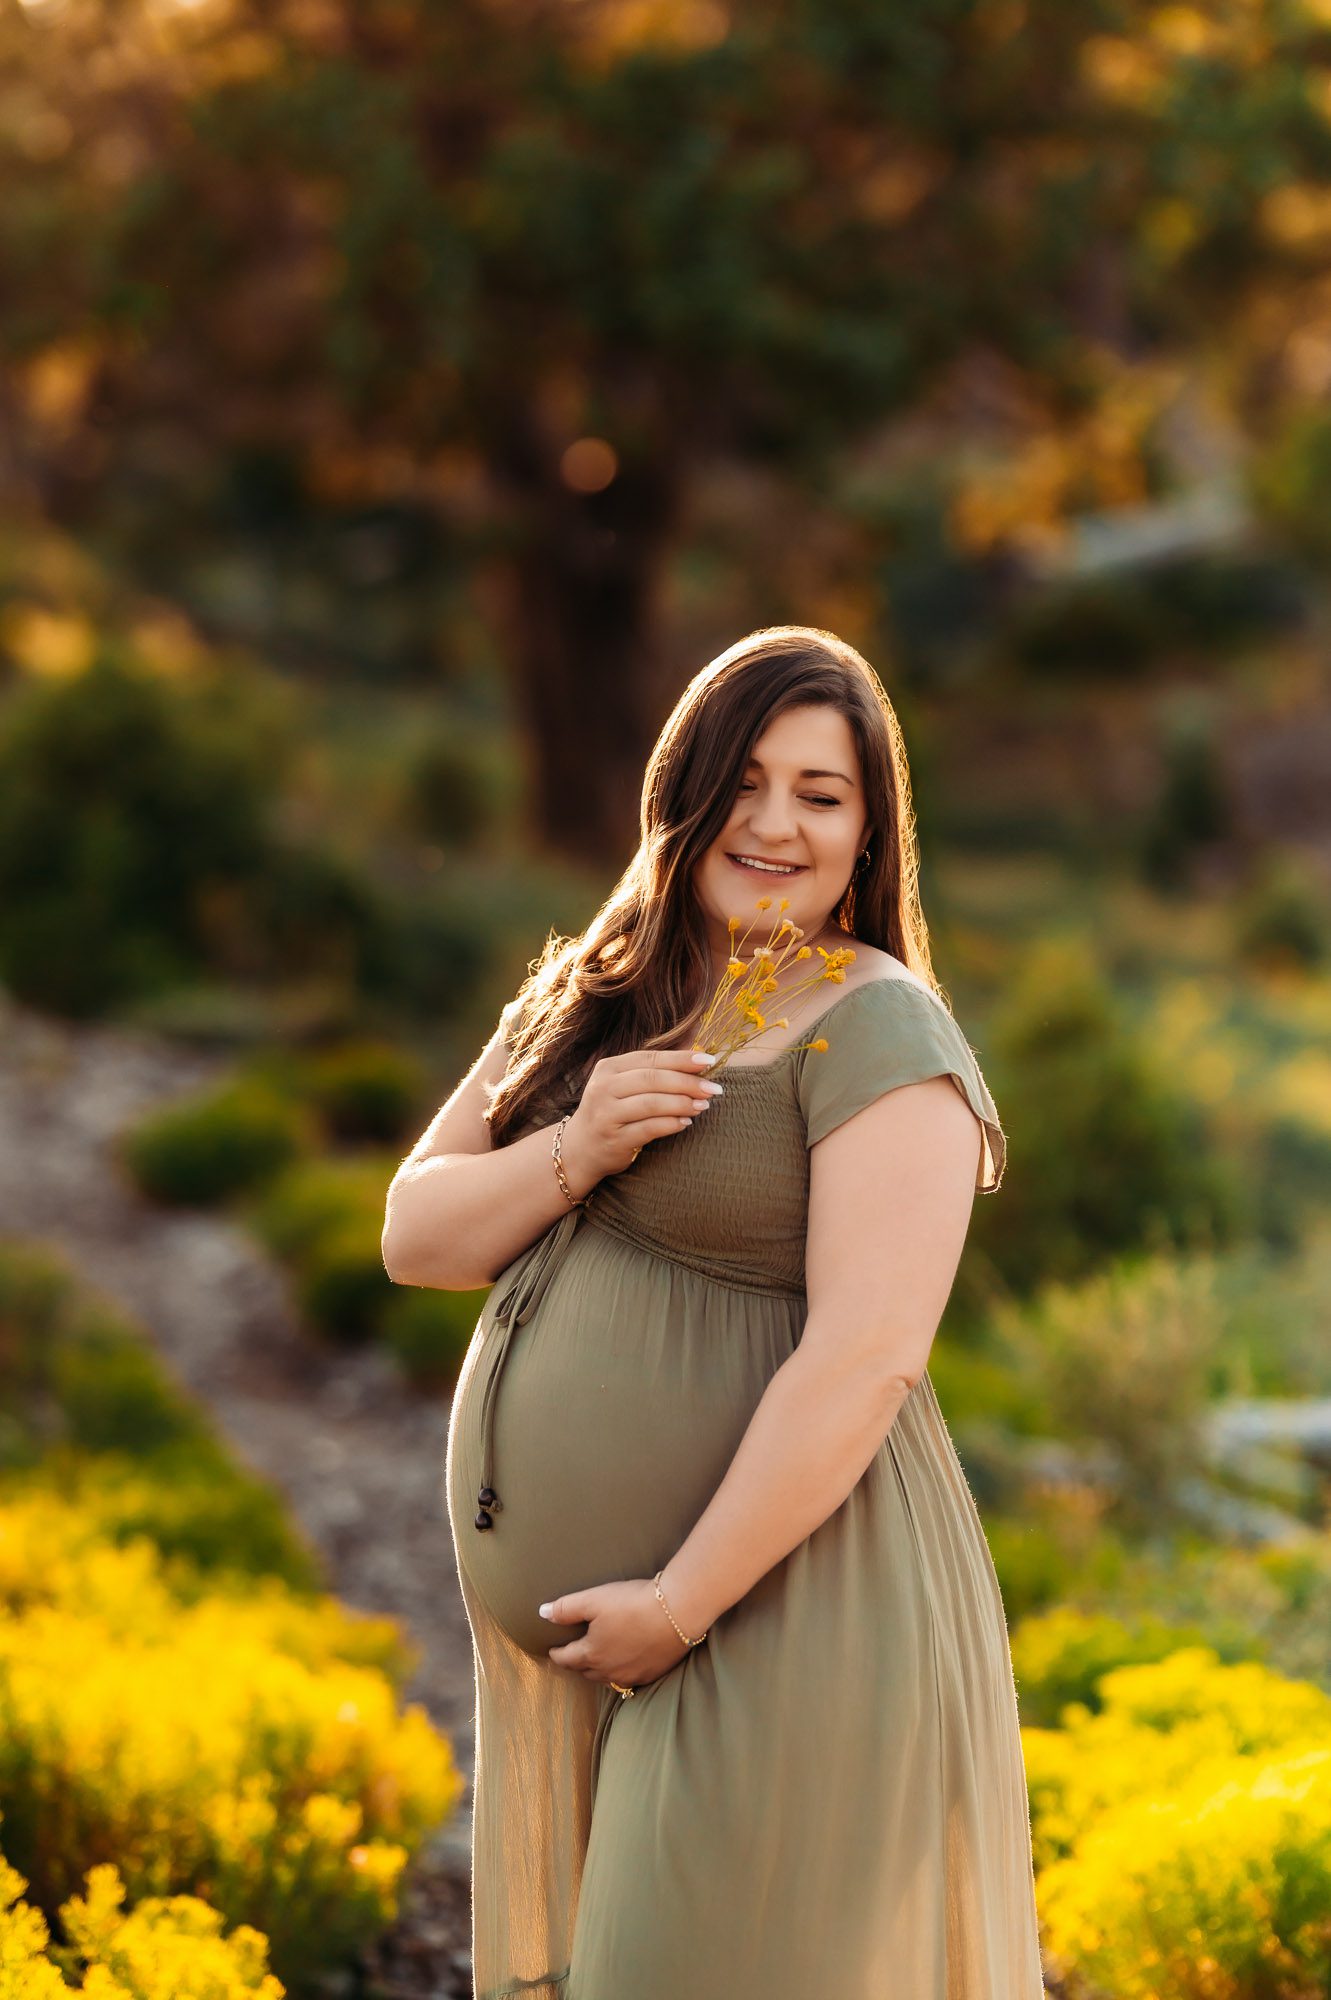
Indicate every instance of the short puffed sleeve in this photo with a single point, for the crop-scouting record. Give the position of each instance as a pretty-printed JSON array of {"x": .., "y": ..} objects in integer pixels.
[{"x": 887, "y": 1032}]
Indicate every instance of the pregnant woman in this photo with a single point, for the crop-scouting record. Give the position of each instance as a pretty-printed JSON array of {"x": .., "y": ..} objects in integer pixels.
[{"x": 746, "y": 1721}]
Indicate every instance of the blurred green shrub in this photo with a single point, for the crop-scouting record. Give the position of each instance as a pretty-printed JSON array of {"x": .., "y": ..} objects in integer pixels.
[
  {"x": 218, "y": 1145},
  {"x": 140, "y": 848},
  {"x": 1282, "y": 917},
  {"x": 122, "y": 809},
  {"x": 1121, "y": 624},
  {"x": 324, "y": 1218},
  {"x": 341, "y": 1282},
  {"x": 1044, "y": 1556},
  {"x": 429, "y": 1332},
  {"x": 1289, "y": 482},
  {"x": 1126, "y": 1359},
  {"x": 90, "y": 1413},
  {"x": 455, "y": 791},
  {"x": 1106, "y": 1155},
  {"x": 1099, "y": 626},
  {"x": 1193, "y": 807},
  {"x": 314, "y": 1198},
  {"x": 424, "y": 954},
  {"x": 361, "y": 1089}
]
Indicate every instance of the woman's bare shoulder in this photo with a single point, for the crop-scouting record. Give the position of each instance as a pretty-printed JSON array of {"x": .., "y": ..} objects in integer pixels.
[{"x": 872, "y": 963}]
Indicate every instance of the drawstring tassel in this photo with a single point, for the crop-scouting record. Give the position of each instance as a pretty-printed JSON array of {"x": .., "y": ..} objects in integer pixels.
[{"x": 525, "y": 1291}]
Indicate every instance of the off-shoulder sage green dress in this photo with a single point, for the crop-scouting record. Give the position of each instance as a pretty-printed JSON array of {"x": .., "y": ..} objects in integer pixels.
[{"x": 826, "y": 1799}]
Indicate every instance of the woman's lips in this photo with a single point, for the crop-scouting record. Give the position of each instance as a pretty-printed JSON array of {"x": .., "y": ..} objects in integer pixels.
[{"x": 772, "y": 874}]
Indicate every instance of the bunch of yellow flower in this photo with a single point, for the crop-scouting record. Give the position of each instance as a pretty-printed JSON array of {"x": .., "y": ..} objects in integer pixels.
[
  {"x": 733, "y": 1016},
  {"x": 1182, "y": 1832},
  {"x": 227, "y": 1744},
  {"x": 166, "y": 1948}
]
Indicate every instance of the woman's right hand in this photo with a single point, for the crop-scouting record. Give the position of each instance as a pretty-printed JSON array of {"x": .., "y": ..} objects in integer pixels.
[{"x": 628, "y": 1100}]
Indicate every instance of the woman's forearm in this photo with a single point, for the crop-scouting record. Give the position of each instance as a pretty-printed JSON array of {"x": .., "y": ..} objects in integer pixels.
[
  {"x": 455, "y": 1220},
  {"x": 811, "y": 1437}
]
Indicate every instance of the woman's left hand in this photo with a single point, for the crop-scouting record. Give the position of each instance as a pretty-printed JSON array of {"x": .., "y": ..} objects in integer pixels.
[{"x": 628, "y": 1639}]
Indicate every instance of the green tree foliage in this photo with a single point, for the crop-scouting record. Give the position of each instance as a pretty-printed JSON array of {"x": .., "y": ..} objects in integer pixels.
[{"x": 523, "y": 273}]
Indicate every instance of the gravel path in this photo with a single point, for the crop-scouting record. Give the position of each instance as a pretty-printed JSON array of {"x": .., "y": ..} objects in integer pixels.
[{"x": 358, "y": 1453}]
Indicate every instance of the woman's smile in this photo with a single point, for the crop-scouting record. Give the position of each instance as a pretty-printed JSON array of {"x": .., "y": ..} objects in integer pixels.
[{"x": 753, "y": 866}]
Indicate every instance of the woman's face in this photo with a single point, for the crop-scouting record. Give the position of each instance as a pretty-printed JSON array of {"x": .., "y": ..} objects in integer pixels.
[{"x": 801, "y": 807}]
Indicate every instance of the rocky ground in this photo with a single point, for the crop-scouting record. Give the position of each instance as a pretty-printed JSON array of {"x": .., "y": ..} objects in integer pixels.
[{"x": 358, "y": 1454}]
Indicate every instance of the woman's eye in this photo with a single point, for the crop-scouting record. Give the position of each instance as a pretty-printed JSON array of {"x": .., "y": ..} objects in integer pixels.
[{"x": 815, "y": 798}]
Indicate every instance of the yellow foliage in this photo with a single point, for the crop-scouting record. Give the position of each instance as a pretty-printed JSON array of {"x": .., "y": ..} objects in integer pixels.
[
  {"x": 1183, "y": 1834},
  {"x": 221, "y": 1741},
  {"x": 167, "y": 1948}
]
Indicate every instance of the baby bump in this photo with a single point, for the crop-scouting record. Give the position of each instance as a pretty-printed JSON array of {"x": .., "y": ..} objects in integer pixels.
[{"x": 619, "y": 1406}]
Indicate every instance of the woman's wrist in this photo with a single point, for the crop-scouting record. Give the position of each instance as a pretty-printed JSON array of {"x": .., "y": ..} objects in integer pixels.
[
  {"x": 686, "y": 1608},
  {"x": 580, "y": 1172}
]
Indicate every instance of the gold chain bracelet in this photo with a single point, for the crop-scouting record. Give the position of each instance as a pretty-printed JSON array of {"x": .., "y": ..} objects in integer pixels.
[
  {"x": 577, "y": 1201},
  {"x": 656, "y": 1585}
]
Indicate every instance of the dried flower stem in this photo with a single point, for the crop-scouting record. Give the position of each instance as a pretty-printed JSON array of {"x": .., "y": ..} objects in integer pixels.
[{"x": 732, "y": 1016}]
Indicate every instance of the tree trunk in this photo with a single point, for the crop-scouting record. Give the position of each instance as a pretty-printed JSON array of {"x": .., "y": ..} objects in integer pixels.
[{"x": 580, "y": 617}]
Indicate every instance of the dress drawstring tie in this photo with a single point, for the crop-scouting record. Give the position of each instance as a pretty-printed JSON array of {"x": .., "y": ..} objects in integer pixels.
[{"x": 523, "y": 1293}]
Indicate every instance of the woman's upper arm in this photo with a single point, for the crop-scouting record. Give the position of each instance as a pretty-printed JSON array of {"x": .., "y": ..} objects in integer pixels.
[
  {"x": 890, "y": 1196},
  {"x": 901, "y": 1130}
]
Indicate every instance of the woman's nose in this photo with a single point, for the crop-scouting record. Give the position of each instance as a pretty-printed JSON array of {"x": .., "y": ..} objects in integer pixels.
[{"x": 773, "y": 820}]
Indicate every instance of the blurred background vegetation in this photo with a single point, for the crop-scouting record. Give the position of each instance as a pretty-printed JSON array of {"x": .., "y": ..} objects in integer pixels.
[{"x": 401, "y": 403}]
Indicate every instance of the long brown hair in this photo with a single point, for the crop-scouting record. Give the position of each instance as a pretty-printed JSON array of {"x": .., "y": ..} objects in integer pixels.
[{"x": 641, "y": 972}]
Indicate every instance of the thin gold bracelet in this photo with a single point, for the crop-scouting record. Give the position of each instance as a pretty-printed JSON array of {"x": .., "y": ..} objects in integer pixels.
[
  {"x": 577, "y": 1201},
  {"x": 656, "y": 1585}
]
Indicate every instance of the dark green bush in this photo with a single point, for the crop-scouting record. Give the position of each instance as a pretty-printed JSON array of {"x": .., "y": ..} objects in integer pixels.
[
  {"x": 1193, "y": 806},
  {"x": 312, "y": 1199},
  {"x": 342, "y": 1285},
  {"x": 140, "y": 851},
  {"x": 1283, "y": 917},
  {"x": 1105, "y": 1154},
  {"x": 223, "y": 1144},
  {"x": 1042, "y": 1560},
  {"x": 1119, "y": 624},
  {"x": 1289, "y": 482},
  {"x": 114, "y": 1393},
  {"x": 124, "y": 806},
  {"x": 423, "y": 955},
  {"x": 362, "y": 1090},
  {"x": 429, "y": 1332},
  {"x": 1093, "y": 627},
  {"x": 324, "y": 1219},
  {"x": 455, "y": 790}
]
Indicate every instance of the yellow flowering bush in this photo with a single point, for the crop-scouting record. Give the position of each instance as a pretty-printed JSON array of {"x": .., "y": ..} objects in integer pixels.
[
  {"x": 1158, "y": 1724},
  {"x": 1218, "y": 1889},
  {"x": 1061, "y": 1655},
  {"x": 1183, "y": 1833},
  {"x": 166, "y": 1948},
  {"x": 222, "y": 1747}
]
